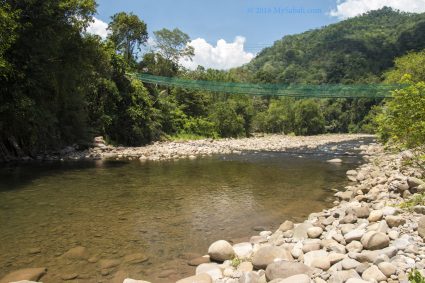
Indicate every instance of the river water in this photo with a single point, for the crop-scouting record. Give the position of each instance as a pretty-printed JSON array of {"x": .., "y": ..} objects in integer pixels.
[{"x": 166, "y": 211}]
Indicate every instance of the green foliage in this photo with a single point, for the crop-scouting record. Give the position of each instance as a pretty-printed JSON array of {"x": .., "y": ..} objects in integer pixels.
[
  {"x": 8, "y": 26},
  {"x": 228, "y": 122},
  {"x": 416, "y": 277},
  {"x": 417, "y": 199},
  {"x": 308, "y": 118},
  {"x": 412, "y": 64},
  {"x": 403, "y": 117},
  {"x": 278, "y": 118},
  {"x": 128, "y": 33},
  {"x": 172, "y": 44},
  {"x": 200, "y": 127},
  {"x": 236, "y": 262}
]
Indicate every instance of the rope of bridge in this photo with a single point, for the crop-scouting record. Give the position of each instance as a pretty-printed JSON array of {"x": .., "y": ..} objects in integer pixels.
[{"x": 289, "y": 90}]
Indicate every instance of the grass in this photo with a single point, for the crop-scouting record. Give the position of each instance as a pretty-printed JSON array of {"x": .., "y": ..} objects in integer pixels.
[
  {"x": 417, "y": 199},
  {"x": 416, "y": 277},
  {"x": 236, "y": 262}
]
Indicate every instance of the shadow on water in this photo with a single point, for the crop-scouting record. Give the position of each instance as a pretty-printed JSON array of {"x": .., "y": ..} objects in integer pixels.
[{"x": 162, "y": 210}]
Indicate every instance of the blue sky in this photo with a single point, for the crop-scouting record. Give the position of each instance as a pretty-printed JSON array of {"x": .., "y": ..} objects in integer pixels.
[
  {"x": 259, "y": 21},
  {"x": 228, "y": 33}
]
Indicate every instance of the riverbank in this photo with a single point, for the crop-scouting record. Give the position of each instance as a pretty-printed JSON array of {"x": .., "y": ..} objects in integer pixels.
[
  {"x": 366, "y": 237},
  {"x": 199, "y": 148}
]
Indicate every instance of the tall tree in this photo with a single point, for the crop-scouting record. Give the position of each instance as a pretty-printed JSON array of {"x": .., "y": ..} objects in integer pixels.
[
  {"x": 129, "y": 34},
  {"x": 173, "y": 44}
]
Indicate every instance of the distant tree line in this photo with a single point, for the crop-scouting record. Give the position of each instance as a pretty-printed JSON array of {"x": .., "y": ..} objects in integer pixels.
[{"x": 62, "y": 86}]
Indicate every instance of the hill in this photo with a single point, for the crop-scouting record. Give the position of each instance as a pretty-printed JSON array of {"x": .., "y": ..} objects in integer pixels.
[{"x": 359, "y": 49}]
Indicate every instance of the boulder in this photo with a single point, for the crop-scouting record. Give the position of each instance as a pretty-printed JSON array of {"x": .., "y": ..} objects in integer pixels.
[
  {"x": 199, "y": 260},
  {"x": 220, "y": 251},
  {"x": 421, "y": 227},
  {"x": 310, "y": 256},
  {"x": 284, "y": 269},
  {"x": 343, "y": 276},
  {"x": 300, "y": 231},
  {"x": 287, "y": 225},
  {"x": 354, "y": 235},
  {"x": 373, "y": 274},
  {"x": 201, "y": 278},
  {"x": 212, "y": 269},
  {"x": 349, "y": 263},
  {"x": 354, "y": 246},
  {"x": 300, "y": 278},
  {"x": 322, "y": 263},
  {"x": 373, "y": 240},
  {"x": 243, "y": 250},
  {"x": 266, "y": 255},
  {"x": 375, "y": 215},
  {"x": 395, "y": 221},
  {"x": 314, "y": 232},
  {"x": 30, "y": 274},
  {"x": 362, "y": 212},
  {"x": 250, "y": 277},
  {"x": 414, "y": 182},
  {"x": 356, "y": 280},
  {"x": 387, "y": 268}
]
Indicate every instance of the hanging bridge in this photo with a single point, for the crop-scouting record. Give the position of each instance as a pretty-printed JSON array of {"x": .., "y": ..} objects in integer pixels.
[{"x": 289, "y": 90}]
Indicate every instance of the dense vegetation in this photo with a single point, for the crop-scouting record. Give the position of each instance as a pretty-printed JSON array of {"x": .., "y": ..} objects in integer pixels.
[{"x": 62, "y": 86}]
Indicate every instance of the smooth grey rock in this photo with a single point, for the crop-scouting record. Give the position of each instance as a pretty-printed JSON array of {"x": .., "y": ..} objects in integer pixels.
[
  {"x": 387, "y": 268},
  {"x": 354, "y": 246},
  {"x": 220, "y": 251},
  {"x": 300, "y": 231},
  {"x": 284, "y": 269},
  {"x": 243, "y": 250},
  {"x": 375, "y": 216},
  {"x": 354, "y": 235},
  {"x": 266, "y": 255},
  {"x": 421, "y": 227},
  {"x": 249, "y": 277},
  {"x": 201, "y": 278},
  {"x": 287, "y": 225},
  {"x": 373, "y": 273},
  {"x": 30, "y": 274},
  {"x": 314, "y": 232},
  {"x": 375, "y": 240},
  {"x": 299, "y": 278},
  {"x": 349, "y": 263},
  {"x": 362, "y": 212},
  {"x": 395, "y": 221},
  {"x": 310, "y": 256},
  {"x": 343, "y": 276},
  {"x": 322, "y": 263},
  {"x": 414, "y": 182}
]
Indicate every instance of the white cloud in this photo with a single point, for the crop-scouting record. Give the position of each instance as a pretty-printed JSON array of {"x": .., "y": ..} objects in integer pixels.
[
  {"x": 351, "y": 8},
  {"x": 222, "y": 56},
  {"x": 99, "y": 28}
]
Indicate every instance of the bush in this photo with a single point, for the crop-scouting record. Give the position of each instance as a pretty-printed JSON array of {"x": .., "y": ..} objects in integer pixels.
[
  {"x": 227, "y": 122},
  {"x": 309, "y": 119},
  {"x": 200, "y": 127},
  {"x": 403, "y": 117}
]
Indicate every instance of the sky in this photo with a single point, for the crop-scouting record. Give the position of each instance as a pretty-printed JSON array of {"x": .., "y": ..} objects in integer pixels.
[{"x": 228, "y": 33}]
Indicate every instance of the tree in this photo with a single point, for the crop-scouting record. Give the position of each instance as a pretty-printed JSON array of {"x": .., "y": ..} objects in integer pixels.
[
  {"x": 309, "y": 119},
  {"x": 8, "y": 26},
  {"x": 173, "y": 45},
  {"x": 403, "y": 117},
  {"x": 412, "y": 64},
  {"x": 128, "y": 33}
]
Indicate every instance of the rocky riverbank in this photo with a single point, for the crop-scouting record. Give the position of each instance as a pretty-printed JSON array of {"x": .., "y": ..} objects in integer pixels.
[
  {"x": 199, "y": 148},
  {"x": 366, "y": 237}
]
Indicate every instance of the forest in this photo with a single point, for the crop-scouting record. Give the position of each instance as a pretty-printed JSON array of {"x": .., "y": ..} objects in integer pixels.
[{"x": 62, "y": 86}]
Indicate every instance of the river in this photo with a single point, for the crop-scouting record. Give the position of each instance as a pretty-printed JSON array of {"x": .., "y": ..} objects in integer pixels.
[{"x": 167, "y": 211}]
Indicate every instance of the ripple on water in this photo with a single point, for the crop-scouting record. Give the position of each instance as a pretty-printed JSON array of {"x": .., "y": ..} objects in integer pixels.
[{"x": 140, "y": 219}]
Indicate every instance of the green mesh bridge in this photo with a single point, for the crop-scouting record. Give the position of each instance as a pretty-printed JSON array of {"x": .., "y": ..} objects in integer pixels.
[{"x": 289, "y": 90}]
